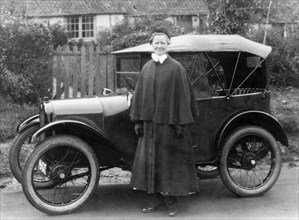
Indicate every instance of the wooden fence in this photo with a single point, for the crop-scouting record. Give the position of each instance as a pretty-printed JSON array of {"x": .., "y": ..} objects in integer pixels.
[{"x": 82, "y": 72}]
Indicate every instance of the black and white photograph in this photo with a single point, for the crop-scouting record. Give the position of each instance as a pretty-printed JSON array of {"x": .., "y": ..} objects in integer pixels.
[{"x": 149, "y": 109}]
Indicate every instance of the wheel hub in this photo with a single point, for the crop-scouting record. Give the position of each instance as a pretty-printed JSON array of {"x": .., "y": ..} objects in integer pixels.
[
  {"x": 249, "y": 161},
  {"x": 59, "y": 172}
]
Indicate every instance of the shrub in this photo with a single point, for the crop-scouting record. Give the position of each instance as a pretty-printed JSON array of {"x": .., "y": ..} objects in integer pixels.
[
  {"x": 59, "y": 35},
  {"x": 25, "y": 52},
  {"x": 127, "y": 35},
  {"x": 284, "y": 59},
  {"x": 16, "y": 87},
  {"x": 11, "y": 115}
]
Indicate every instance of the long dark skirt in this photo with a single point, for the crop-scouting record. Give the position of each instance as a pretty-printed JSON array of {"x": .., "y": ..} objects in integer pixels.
[{"x": 163, "y": 162}]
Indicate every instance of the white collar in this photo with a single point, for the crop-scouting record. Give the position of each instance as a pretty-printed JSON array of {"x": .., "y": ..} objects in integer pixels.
[{"x": 159, "y": 58}]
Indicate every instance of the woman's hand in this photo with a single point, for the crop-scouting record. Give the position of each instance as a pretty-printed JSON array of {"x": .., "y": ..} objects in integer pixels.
[
  {"x": 179, "y": 130},
  {"x": 139, "y": 129}
]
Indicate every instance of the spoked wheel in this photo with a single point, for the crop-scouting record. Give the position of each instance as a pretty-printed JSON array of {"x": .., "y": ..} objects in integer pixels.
[
  {"x": 250, "y": 161},
  {"x": 207, "y": 172},
  {"x": 72, "y": 167},
  {"x": 20, "y": 151}
]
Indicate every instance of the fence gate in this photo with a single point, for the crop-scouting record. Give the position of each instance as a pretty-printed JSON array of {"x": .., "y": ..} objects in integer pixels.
[{"x": 82, "y": 72}]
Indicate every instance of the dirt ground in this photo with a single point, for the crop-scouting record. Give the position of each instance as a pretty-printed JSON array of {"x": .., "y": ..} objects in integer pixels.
[{"x": 214, "y": 201}]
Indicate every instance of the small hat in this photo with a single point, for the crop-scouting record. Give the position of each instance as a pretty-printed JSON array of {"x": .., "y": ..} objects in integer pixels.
[{"x": 161, "y": 29}]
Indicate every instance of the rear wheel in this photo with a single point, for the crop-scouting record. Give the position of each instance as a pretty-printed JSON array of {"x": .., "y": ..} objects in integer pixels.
[
  {"x": 250, "y": 161},
  {"x": 72, "y": 167},
  {"x": 207, "y": 172}
]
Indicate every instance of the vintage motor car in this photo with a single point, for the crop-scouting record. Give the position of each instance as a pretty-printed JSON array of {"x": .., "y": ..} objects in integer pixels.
[{"x": 234, "y": 135}]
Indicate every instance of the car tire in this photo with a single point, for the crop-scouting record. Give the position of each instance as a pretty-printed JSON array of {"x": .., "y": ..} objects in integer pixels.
[
  {"x": 207, "y": 172},
  {"x": 71, "y": 163},
  {"x": 19, "y": 146},
  {"x": 250, "y": 161}
]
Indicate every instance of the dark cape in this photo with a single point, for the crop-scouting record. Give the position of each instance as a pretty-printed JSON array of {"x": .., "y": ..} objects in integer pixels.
[
  {"x": 163, "y": 94},
  {"x": 164, "y": 163}
]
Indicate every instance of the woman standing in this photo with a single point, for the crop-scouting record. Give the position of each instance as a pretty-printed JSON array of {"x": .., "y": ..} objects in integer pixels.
[{"x": 163, "y": 108}]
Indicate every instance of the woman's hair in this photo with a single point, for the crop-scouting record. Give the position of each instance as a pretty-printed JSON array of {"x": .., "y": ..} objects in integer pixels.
[{"x": 159, "y": 31}]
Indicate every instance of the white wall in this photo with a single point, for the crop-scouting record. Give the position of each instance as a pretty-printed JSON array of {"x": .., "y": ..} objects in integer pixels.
[
  {"x": 57, "y": 20},
  {"x": 51, "y": 21},
  {"x": 107, "y": 21}
]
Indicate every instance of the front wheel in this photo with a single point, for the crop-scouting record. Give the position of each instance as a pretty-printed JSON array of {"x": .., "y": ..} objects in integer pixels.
[
  {"x": 250, "y": 161},
  {"x": 72, "y": 167}
]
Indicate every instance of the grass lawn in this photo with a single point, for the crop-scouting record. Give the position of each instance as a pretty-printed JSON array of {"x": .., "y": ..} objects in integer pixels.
[
  {"x": 285, "y": 107},
  {"x": 11, "y": 115}
]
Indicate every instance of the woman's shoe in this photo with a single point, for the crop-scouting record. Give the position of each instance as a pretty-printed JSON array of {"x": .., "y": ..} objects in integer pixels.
[
  {"x": 171, "y": 202},
  {"x": 154, "y": 205},
  {"x": 172, "y": 210}
]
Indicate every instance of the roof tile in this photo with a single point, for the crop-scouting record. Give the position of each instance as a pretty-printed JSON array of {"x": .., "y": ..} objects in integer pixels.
[{"x": 47, "y": 8}]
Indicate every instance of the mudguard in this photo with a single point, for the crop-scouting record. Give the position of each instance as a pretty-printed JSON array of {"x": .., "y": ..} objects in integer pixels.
[
  {"x": 28, "y": 122},
  {"x": 106, "y": 152},
  {"x": 254, "y": 117},
  {"x": 52, "y": 125}
]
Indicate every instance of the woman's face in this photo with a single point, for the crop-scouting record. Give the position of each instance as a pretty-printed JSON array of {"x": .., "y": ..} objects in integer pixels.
[{"x": 160, "y": 44}]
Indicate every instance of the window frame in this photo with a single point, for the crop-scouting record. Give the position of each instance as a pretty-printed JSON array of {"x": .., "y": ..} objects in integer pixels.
[{"x": 90, "y": 23}]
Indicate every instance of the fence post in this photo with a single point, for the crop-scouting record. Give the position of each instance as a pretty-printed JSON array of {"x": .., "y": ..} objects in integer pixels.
[
  {"x": 83, "y": 71},
  {"x": 67, "y": 72},
  {"x": 75, "y": 71},
  {"x": 58, "y": 72},
  {"x": 110, "y": 68},
  {"x": 90, "y": 70},
  {"x": 98, "y": 71},
  {"x": 103, "y": 70},
  {"x": 51, "y": 70}
]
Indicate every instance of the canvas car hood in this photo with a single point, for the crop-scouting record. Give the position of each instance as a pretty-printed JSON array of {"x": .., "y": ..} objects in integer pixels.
[
  {"x": 109, "y": 105},
  {"x": 206, "y": 43}
]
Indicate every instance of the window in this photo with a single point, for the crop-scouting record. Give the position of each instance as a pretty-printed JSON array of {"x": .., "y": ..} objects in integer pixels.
[
  {"x": 87, "y": 26},
  {"x": 80, "y": 27},
  {"x": 73, "y": 27},
  {"x": 127, "y": 71},
  {"x": 185, "y": 20}
]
